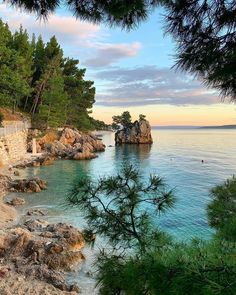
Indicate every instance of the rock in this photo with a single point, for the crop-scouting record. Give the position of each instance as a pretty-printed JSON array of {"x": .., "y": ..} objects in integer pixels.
[
  {"x": 69, "y": 144},
  {"x": 68, "y": 137},
  {"x": 84, "y": 156},
  {"x": 36, "y": 212},
  {"x": 47, "y": 160},
  {"x": 138, "y": 133},
  {"x": 16, "y": 202},
  {"x": 34, "y": 225},
  {"x": 27, "y": 185},
  {"x": 43, "y": 251},
  {"x": 33, "y": 186},
  {"x": 4, "y": 183},
  {"x": 16, "y": 173},
  {"x": 70, "y": 237}
]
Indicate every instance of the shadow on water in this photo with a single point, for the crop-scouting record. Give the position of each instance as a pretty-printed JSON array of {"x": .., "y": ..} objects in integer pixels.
[{"x": 133, "y": 154}]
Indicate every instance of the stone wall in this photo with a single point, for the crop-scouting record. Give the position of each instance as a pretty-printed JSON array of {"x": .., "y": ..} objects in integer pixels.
[{"x": 13, "y": 147}]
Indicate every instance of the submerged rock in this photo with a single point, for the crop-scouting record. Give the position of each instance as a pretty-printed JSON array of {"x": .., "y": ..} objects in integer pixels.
[
  {"x": 138, "y": 132},
  {"x": 16, "y": 202}
]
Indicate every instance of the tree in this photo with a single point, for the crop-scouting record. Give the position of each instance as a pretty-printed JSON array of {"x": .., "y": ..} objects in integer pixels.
[
  {"x": 38, "y": 79},
  {"x": 204, "y": 31},
  {"x": 124, "y": 119},
  {"x": 205, "y": 36},
  {"x": 13, "y": 84},
  {"x": 81, "y": 95},
  {"x": 222, "y": 209},
  {"x": 196, "y": 268},
  {"x": 22, "y": 45},
  {"x": 142, "y": 117},
  {"x": 115, "y": 207},
  {"x": 144, "y": 260},
  {"x": 52, "y": 112}
]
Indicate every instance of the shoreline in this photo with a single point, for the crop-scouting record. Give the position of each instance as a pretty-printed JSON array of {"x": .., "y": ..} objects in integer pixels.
[{"x": 12, "y": 281}]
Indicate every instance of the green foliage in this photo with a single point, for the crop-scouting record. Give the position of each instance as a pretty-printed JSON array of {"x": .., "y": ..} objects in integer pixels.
[
  {"x": 180, "y": 269},
  {"x": 142, "y": 117},
  {"x": 14, "y": 85},
  {"x": 99, "y": 125},
  {"x": 204, "y": 32},
  {"x": 222, "y": 209},
  {"x": 37, "y": 78},
  {"x": 124, "y": 119},
  {"x": 113, "y": 207},
  {"x": 144, "y": 260}
]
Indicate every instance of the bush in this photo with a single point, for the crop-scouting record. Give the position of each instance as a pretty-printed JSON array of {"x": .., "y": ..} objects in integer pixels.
[{"x": 222, "y": 209}]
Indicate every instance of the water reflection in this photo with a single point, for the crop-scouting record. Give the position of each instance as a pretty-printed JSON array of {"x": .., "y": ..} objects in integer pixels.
[{"x": 132, "y": 154}]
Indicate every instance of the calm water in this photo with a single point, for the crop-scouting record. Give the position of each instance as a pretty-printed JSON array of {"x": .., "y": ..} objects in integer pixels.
[{"x": 176, "y": 156}]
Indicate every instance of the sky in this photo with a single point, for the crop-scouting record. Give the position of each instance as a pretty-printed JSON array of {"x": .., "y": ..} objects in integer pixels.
[{"x": 131, "y": 70}]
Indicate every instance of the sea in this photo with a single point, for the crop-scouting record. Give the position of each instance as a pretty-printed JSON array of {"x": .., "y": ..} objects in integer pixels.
[{"x": 190, "y": 161}]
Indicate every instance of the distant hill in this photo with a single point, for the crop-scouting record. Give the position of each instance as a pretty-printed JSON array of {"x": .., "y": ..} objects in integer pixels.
[
  {"x": 219, "y": 127},
  {"x": 175, "y": 127},
  {"x": 195, "y": 127}
]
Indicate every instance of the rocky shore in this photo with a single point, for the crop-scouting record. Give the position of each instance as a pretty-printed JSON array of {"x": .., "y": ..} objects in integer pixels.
[
  {"x": 33, "y": 252},
  {"x": 34, "y": 255},
  {"x": 69, "y": 143}
]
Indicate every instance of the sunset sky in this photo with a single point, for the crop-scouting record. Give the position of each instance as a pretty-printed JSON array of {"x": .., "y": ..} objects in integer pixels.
[{"x": 131, "y": 70}]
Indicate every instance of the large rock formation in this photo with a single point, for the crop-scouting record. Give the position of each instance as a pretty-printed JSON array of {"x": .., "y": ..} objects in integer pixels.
[
  {"x": 69, "y": 144},
  {"x": 138, "y": 132}
]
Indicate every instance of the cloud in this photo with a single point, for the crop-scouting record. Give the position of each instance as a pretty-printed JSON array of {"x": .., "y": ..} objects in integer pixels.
[
  {"x": 64, "y": 27},
  {"x": 108, "y": 54},
  {"x": 149, "y": 85}
]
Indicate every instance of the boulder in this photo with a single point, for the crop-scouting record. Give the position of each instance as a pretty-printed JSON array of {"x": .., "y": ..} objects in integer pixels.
[
  {"x": 68, "y": 136},
  {"x": 35, "y": 212},
  {"x": 138, "y": 132},
  {"x": 27, "y": 185},
  {"x": 16, "y": 202}
]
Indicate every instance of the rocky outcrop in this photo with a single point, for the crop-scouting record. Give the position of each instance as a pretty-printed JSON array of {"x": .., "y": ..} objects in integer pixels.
[
  {"x": 69, "y": 144},
  {"x": 138, "y": 132},
  {"x": 42, "y": 251},
  {"x": 16, "y": 202},
  {"x": 34, "y": 185}
]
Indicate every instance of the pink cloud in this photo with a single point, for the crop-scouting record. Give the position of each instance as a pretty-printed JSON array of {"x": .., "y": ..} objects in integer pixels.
[
  {"x": 108, "y": 54},
  {"x": 62, "y": 26}
]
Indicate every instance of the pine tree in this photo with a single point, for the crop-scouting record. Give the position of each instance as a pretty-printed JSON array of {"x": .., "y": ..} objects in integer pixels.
[
  {"x": 81, "y": 95},
  {"x": 53, "y": 109},
  {"x": 13, "y": 84}
]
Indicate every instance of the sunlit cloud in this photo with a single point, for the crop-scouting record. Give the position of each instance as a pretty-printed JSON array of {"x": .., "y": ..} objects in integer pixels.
[
  {"x": 108, "y": 54},
  {"x": 64, "y": 27},
  {"x": 150, "y": 85}
]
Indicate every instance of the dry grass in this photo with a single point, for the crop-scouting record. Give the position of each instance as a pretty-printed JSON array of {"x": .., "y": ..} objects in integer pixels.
[{"x": 8, "y": 116}]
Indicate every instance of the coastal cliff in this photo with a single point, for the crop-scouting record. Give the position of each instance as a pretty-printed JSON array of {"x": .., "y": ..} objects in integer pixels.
[{"x": 138, "y": 132}]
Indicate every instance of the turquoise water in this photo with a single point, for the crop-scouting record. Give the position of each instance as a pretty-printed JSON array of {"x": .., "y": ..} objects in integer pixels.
[{"x": 176, "y": 156}]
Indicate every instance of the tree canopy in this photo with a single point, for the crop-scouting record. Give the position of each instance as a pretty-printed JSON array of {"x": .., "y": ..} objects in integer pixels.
[
  {"x": 142, "y": 258},
  {"x": 35, "y": 77},
  {"x": 124, "y": 120}
]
